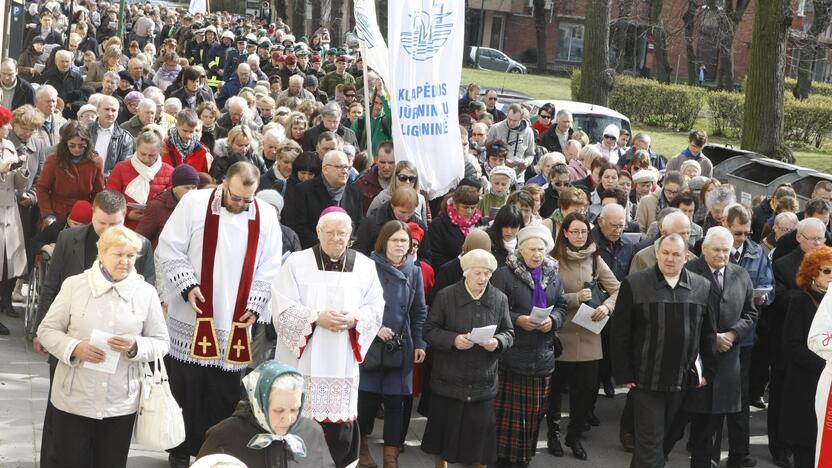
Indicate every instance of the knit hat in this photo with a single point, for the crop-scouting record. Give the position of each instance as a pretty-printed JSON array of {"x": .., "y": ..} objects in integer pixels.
[
  {"x": 86, "y": 108},
  {"x": 133, "y": 97},
  {"x": 504, "y": 170},
  {"x": 476, "y": 239},
  {"x": 341, "y": 58},
  {"x": 612, "y": 130},
  {"x": 184, "y": 174},
  {"x": 644, "y": 175},
  {"x": 273, "y": 198},
  {"x": 5, "y": 116},
  {"x": 291, "y": 59},
  {"x": 335, "y": 213},
  {"x": 696, "y": 183},
  {"x": 316, "y": 59},
  {"x": 38, "y": 40},
  {"x": 536, "y": 231},
  {"x": 310, "y": 80},
  {"x": 478, "y": 258},
  {"x": 689, "y": 163},
  {"x": 416, "y": 231},
  {"x": 81, "y": 212}
]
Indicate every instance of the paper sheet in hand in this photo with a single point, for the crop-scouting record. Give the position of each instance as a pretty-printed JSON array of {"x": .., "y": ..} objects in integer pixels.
[
  {"x": 761, "y": 292},
  {"x": 538, "y": 314},
  {"x": 483, "y": 334},
  {"x": 583, "y": 317},
  {"x": 99, "y": 339}
]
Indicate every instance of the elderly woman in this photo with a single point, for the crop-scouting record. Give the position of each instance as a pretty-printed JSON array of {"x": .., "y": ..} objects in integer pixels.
[
  {"x": 14, "y": 176},
  {"x": 532, "y": 283},
  {"x": 581, "y": 268},
  {"x": 544, "y": 167},
  {"x": 74, "y": 172},
  {"x": 267, "y": 428},
  {"x": 715, "y": 202},
  {"x": 142, "y": 177},
  {"x": 404, "y": 175},
  {"x": 103, "y": 324},
  {"x": 387, "y": 371},
  {"x": 448, "y": 230},
  {"x": 461, "y": 425},
  {"x": 239, "y": 146},
  {"x": 806, "y": 351},
  {"x": 109, "y": 62}
]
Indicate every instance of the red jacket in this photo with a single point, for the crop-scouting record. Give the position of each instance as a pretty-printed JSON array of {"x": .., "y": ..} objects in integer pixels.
[
  {"x": 200, "y": 158},
  {"x": 123, "y": 173},
  {"x": 58, "y": 189},
  {"x": 156, "y": 215},
  {"x": 538, "y": 125},
  {"x": 368, "y": 186}
]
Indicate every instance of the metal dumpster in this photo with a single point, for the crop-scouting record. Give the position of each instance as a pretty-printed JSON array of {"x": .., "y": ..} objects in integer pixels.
[
  {"x": 756, "y": 176},
  {"x": 804, "y": 187},
  {"x": 719, "y": 153}
]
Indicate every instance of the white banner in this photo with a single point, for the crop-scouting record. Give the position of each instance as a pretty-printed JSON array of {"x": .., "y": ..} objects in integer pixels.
[
  {"x": 426, "y": 45},
  {"x": 373, "y": 48},
  {"x": 198, "y": 6}
]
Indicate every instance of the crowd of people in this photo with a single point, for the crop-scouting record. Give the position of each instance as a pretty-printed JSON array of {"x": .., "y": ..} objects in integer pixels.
[{"x": 207, "y": 188}]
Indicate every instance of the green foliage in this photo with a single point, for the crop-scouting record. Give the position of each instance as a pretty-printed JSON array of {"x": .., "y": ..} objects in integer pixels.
[
  {"x": 726, "y": 113},
  {"x": 575, "y": 83},
  {"x": 817, "y": 89}
]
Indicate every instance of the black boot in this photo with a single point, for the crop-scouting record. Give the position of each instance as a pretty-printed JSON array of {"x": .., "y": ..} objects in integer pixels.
[
  {"x": 6, "y": 291},
  {"x": 179, "y": 461},
  {"x": 553, "y": 440},
  {"x": 577, "y": 448}
]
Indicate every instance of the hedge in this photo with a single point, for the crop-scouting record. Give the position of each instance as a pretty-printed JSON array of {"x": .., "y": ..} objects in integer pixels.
[
  {"x": 817, "y": 89},
  {"x": 650, "y": 102}
]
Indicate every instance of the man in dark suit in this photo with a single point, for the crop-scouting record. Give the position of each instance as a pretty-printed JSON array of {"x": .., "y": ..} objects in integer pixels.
[
  {"x": 816, "y": 208},
  {"x": 811, "y": 234},
  {"x": 307, "y": 200},
  {"x": 75, "y": 251},
  {"x": 734, "y": 313},
  {"x": 330, "y": 122},
  {"x": 21, "y": 91}
]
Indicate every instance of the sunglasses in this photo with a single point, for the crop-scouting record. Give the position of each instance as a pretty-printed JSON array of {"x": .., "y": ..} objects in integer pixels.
[
  {"x": 560, "y": 184},
  {"x": 609, "y": 137},
  {"x": 544, "y": 116},
  {"x": 407, "y": 178},
  {"x": 349, "y": 95}
]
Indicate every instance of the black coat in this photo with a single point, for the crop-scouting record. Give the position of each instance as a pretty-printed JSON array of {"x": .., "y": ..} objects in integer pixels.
[
  {"x": 23, "y": 94},
  {"x": 533, "y": 352},
  {"x": 788, "y": 243},
  {"x": 551, "y": 198},
  {"x": 759, "y": 218},
  {"x": 785, "y": 287},
  {"x": 466, "y": 375},
  {"x": 306, "y": 201},
  {"x": 370, "y": 227},
  {"x": 310, "y": 137},
  {"x": 202, "y": 95},
  {"x": 733, "y": 309},
  {"x": 550, "y": 141},
  {"x": 62, "y": 82},
  {"x": 803, "y": 369},
  {"x": 449, "y": 274},
  {"x": 445, "y": 240}
]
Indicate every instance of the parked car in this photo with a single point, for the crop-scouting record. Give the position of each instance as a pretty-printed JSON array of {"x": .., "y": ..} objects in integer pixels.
[
  {"x": 493, "y": 59},
  {"x": 504, "y": 96},
  {"x": 590, "y": 118}
]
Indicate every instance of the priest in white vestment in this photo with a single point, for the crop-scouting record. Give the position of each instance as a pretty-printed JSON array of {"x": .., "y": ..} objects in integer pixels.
[
  {"x": 227, "y": 232},
  {"x": 327, "y": 309}
]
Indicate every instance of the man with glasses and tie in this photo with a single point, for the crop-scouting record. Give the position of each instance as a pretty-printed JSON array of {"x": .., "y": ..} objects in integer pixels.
[
  {"x": 750, "y": 256},
  {"x": 219, "y": 252}
]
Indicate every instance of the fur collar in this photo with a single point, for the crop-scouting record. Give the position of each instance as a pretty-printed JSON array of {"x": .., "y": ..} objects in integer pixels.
[{"x": 550, "y": 270}]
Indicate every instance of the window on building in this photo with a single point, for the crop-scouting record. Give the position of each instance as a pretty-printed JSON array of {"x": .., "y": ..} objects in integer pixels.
[{"x": 571, "y": 42}]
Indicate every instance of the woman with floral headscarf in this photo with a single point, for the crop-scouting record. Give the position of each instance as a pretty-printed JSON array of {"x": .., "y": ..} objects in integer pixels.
[{"x": 267, "y": 431}]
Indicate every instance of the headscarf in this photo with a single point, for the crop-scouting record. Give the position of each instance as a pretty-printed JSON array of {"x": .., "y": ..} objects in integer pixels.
[{"x": 258, "y": 386}]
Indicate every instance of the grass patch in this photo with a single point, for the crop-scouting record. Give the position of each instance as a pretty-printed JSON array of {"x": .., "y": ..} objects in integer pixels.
[{"x": 536, "y": 86}]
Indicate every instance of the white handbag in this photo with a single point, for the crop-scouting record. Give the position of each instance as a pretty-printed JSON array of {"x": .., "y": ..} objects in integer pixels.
[{"x": 159, "y": 423}]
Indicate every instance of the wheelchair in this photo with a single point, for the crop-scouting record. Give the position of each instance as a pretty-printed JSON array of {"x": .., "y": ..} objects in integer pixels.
[{"x": 36, "y": 277}]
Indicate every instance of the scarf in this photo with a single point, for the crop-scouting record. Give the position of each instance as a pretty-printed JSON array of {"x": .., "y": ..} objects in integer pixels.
[
  {"x": 139, "y": 188},
  {"x": 183, "y": 147},
  {"x": 510, "y": 245},
  {"x": 258, "y": 385},
  {"x": 336, "y": 193},
  {"x": 463, "y": 224},
  {"x": 696, "y": 157},
  {"x": 538, "y": 296}
]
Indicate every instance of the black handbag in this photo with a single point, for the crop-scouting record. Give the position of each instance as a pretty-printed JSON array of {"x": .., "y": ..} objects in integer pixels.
[
  {"x": 386, "y": 355},
  {"x": 599, "y": 295}
]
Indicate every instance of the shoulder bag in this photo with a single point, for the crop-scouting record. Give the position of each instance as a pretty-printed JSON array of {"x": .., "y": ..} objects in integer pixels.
[{"x": 159, "y": 423}]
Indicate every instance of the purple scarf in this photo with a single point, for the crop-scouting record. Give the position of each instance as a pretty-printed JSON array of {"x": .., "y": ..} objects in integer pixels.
[{"x": 538, "y": 296}]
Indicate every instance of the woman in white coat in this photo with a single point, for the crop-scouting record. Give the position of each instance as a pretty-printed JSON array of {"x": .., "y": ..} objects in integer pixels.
[
  {"x": 14, "y": 174},
  {"x": 102, "y": 325}
]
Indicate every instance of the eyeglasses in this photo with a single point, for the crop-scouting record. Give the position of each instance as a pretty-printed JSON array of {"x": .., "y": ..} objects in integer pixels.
[
  {"x": 407, "y": 178},
  {"x": 338, "y": 167},
  {"x": 544, "y": 116},
  {"x": 609, "y": 137},
  {"x": 578, "y": 232},
  {"x": 816, "y": 240},
  {"x": 238, "y": 199},
  {"x": 618, "y": 227},
  {"x": 491, "y": 98},
  {"x": 826, "y": 271},
  {"x": 741, "y": 233},
  {"x": 338, "y": 234},
  {"x": 671, "y": 192}
]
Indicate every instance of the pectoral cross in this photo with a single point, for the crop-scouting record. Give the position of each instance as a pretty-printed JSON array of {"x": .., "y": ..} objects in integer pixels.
[
  {"x": 239, "y": 347},
  {"x": 205, "y": 344}
]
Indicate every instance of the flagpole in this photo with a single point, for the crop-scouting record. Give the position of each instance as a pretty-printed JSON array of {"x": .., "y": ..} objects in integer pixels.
[{"x": 368, "y": 111}]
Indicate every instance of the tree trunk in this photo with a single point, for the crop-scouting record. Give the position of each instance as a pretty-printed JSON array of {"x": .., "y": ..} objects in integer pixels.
[
  {"x": 596, "y": 77},
  {"x": 317, "y": 14},
  {"x": 663, "y": 68},
  {"x": 728, "y": 24},
  {"x": 540, "y": 34},
  {"x": 762, "y": 129},
  {"x": 280, "y": 10},
  {"x": 299, "y": 15},
  {"x": 808, "y": 48},
  {"x": 622, "y": 26},
  {"x": 689, "y": 19}
]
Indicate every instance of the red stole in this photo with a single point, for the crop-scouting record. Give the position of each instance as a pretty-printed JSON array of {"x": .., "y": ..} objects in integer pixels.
[
  {"x": 204, "y": 344},
  {"x": 825, "y": 449}
]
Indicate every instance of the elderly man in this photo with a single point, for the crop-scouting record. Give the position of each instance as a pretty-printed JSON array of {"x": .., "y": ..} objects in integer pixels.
[
  {"x": 295, "y": 89},
  {"x": 257, "y": 73},
  {"x": 232, "y": 87},
  {"x": 46, "y": 102},
  {"x": 817, "y": 208},
  {"x": 146, "y": 115},
  {"x": 655, "y": 360},
  {"x": 272, "y": 140},
  {"x": 556, "y": 136},
  {"x": 111, "y": 142},
  {"x": 519, "y": 136},
  {"x": 219, "y": 253},
  {"x": 378, "y": 178},
  {"x": 339, "y": 76},
  {"x": 143, "y": 29},
  {"x": 61, "y": 77},
  {"x": 135, "y": 70},
  {"x": 306, "y": 201},
  {"x": 14, "y": 90},
  {"x": 238, "y": 114},
  {"x": 327, "y": 309},
  {"x": 641, "y": 142},
  {"x": 731, "y": 302},
  {"x": 109, "y": 83},
  {"x": 330, "y": 122},
  {"x": 674, "y": 223},
  {"x": 615, "y": 250}
]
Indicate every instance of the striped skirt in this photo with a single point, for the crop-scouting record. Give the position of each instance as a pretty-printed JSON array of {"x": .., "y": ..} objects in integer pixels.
[{"x": 519, "y": 407}]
